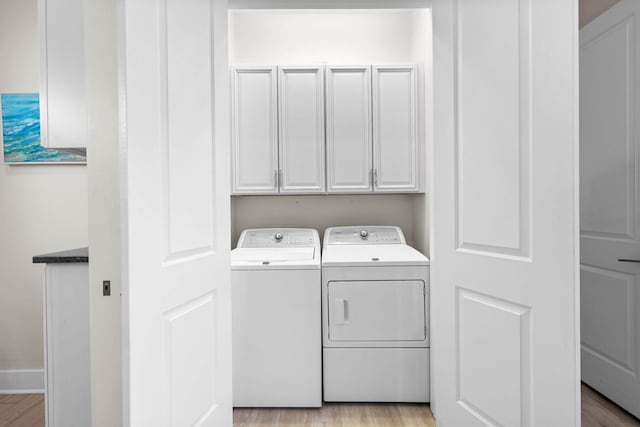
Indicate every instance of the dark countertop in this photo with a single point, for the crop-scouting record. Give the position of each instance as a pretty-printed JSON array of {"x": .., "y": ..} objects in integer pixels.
[{"x": 72, "y": 255}]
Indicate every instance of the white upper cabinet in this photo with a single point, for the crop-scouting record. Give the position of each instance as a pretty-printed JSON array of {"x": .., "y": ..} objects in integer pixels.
[
  {"x": 63, "y": 109},
  {"x": 349, "y": 148},
  {"x": 301, "y": 101},
  {"x": 372, "y": 139},
  {"x": 254, "y": 130},
  {"x": 396, "y": 145}
]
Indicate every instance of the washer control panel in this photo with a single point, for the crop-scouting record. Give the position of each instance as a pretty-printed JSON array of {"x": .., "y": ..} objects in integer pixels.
[
  {"x": 365, "y": 235},
  {"x": 278, "y": 237}
]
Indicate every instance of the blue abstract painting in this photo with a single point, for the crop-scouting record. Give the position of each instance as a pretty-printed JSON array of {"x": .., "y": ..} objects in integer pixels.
[{"x": 21, "y": 132}]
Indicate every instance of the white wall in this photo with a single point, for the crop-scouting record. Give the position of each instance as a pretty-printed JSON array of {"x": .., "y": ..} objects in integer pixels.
[
  {"x": 315, "y": 36},
  {"x": 42, "y": 208},
  {"x": 104, "y": 210},
  {"x": 338, "y": 37},
  {"x": 320, "y": 212}
]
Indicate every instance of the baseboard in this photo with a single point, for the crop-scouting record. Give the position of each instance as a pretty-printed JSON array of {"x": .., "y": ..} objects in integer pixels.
[{"x": 22, "y": 381}]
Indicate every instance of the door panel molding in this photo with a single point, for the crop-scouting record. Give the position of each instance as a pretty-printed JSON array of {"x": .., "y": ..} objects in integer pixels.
[
  {"x": 507, "y": 340},
  {"x": 185, "y": 131},
  {"x": 494, "y": 212},
  {"x": 604, "y": 320},
  {"x": 185, "y": 328},
  {"x": 599, "y": 220}
]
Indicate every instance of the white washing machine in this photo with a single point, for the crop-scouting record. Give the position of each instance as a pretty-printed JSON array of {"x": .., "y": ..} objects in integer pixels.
[
  {"x": 375, "y": 317},
  {"x": 275, "y": 279}
]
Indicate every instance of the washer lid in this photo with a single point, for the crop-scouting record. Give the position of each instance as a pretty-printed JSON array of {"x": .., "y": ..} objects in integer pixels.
[
  {"x": 278, "y": 238},
  {"x": 275, "y": 258},
  {"x": 372, "y": 256}
]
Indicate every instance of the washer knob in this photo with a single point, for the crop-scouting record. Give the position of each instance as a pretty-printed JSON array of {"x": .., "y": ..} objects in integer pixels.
[
  {"x": 364, "y": 234},
  {"x": 278, "y": 236}
]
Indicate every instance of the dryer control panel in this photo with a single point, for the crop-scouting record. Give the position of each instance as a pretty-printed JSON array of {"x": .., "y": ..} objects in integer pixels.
[
  {"x": 278, "y": 237},
  {"x": 364, "y": 235}
]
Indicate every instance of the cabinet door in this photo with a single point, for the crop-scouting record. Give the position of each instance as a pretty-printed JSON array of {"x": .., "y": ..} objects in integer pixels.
[
  {"x": 63, "y": 109},
  {"x": 254, "y": 131},
  {"x": 301, "y": 99},
  {"x": 349, "y": 129},
  {"x": 396, "y": 154}
]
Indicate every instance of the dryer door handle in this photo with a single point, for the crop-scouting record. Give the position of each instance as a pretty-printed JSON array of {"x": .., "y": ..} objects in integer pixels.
[{"x": 340, "y": 311}]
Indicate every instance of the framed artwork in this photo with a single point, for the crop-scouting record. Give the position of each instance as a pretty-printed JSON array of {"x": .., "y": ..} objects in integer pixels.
[{"x": 21, "y": 132}]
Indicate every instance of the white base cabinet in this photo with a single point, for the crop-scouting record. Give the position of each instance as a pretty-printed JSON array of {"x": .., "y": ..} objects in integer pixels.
[{"x": 67, "y": 357}]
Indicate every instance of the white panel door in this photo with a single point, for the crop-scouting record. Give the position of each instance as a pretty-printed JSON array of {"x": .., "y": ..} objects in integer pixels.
[
  {"x": 175, "y": 180},
  {"x": 63, "y": 107},
  {"x": 396, "y": 154},
  {"x": 254, "y": 124},
  {"x": 505, "y": 214},
  {"x": 301, "y": 102},
  {"x": 609, "y": 182},
  {"x": 349, "y": 168}
]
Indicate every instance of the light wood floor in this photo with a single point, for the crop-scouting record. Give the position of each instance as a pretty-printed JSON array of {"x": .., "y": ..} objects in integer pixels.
[
  {"x": 27, "y": 410},
  {"x": 21, "y": 410},
  {"x": 597, "y": 411}
]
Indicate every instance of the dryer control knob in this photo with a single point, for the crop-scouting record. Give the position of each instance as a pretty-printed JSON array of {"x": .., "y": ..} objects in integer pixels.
[
  {"x": 364, "y": 234},
  {"x": 278, "y": 236}
]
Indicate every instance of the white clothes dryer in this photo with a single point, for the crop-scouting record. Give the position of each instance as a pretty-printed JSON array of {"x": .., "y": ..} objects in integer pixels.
[
  {"x": 275, "y": 278},
  {"x": 375, "y": 316}
]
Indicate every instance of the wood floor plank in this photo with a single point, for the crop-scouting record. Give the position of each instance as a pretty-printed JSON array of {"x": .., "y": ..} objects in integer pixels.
[
  {"x": 10, "y": 398},
  {"x": 27, "y": 410},
  {"x": 338, "y": 415},
  {"x": 34, "y": 417},
  {"x": 22, "y": 410},
  {"x": 598, "y": 411}
]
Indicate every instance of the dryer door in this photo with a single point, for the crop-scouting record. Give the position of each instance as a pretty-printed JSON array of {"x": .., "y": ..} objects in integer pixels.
[{"x": 382, "y": 311}]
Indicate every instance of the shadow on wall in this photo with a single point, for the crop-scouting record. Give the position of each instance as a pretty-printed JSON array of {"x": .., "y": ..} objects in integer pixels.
[{"x": 323, "y": 211}]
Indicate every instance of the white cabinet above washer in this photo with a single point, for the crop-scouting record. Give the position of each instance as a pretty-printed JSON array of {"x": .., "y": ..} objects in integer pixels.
[
  {"x": 349, "y": 149},
  {"x": 396, "y": 147},
  {"x": 301, "y": 107},
  {"x": 277, "y": 130},
  {"x": 340, "y": 129},
  {"x": 254, "y": 153}
]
